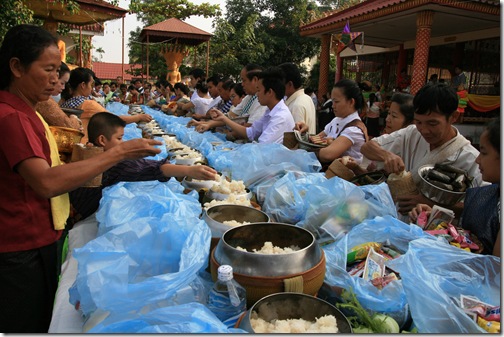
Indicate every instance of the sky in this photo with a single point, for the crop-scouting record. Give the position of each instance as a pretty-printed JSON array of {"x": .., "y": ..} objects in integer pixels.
[{"x": 111, "y": 41}]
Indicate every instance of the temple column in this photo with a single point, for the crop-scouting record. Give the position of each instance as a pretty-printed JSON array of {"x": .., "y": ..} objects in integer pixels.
[
  {"x": 324, "y": 65},
  {"x": 339, "y": 68},
  {"x": 421, "y": 56},
  {"x": 401, "y": 63}
]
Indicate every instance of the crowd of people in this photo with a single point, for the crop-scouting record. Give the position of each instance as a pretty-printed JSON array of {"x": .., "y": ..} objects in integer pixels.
[{"x": 261, "y": 107}]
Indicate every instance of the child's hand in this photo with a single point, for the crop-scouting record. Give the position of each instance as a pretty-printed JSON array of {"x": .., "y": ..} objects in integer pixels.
[{"x": 202, "y": 172}]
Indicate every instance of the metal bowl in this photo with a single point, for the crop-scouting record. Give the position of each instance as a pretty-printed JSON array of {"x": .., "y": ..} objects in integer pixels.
[
  {"x": 216, "y": 215},
  {"x": 212, "y": 195},
  {"x": 190, "y": 183},
  {"x": 253, "y": 236},
  {"x": 437, "y": 194},
  {"x": 294, "y": 306},
  {"x": 66, "y": 138}
]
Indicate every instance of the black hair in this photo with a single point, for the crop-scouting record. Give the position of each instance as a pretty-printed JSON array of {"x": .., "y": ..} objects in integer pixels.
[
  {"x": 227, "y": 83},
  {"x": 440, "y": 98},
  {"x": 77, "y": 76},
  {"x": 292, "y": 74},
  {"x": 137, "y": 80},
  {"x": 103, "y": 123},
  {"x": 163, "y": 82},
  {"x": 309, "y": 91},
  {"x": 123, "y": 85},
  {"x": 493, "y": 129},
  {"x": 169, "y": 86},
  {"x": 97, "y": 82},
  {"x": 351, "y": 90},
  {"x": 181, "y": 86},
  {"x": 198, "y": 73},
  {"x": 26, "y": 43},
  {"x": 238, "y": 88},
  {"x": 201, "y": 86},
  {"x": 273, "y": 79},
  {"x": 252, "y": 70},
  {"x": 215, "y": 79},
  {"x": 131, "y": 87},
  {"x": 113, "y": 83},
  {"x": 405, "y": 102},
  {"x": 63, "y": 69}
]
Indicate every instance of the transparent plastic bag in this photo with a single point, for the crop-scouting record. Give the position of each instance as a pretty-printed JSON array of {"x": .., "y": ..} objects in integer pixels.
[
  {"x": 390, "y": 300},
  {"x": 186, "y": 318},
  {"x": 335, "y": 206},
  {"x": 140, "y": 263},
  {"x": 435, "y": 274},
  {"x": 285, "y": 199},
  {"x": 126, "y": 201}
]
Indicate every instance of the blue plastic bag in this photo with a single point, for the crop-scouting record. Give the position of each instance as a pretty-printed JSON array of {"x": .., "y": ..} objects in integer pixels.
[
  {"x": 140, "y": 263},
  {"x": 390, "y": 300},
  {"x": 335, "y": 206},
  {"x": 186, "y": 318},
  {"x": 285, "y": 199},
  {"x": 434, "y": 276},
  {"x": 126, "y": 201}
]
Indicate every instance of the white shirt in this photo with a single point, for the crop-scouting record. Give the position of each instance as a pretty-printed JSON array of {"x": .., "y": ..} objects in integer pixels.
[
  {"x": 214, "y": 102},
  {"x": 302, "y": 109},
  {"x": 353, "y": 133},
  {"x": 201, "y": 105},
  {"x": 255, "y": 111},
  {"x": 409, "y": 144},
  {"x": 271, "y": 126}
]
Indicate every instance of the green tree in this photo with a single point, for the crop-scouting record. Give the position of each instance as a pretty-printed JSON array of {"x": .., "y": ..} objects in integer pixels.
[
  {"x": 150, "y": 12},
  {"x": 264, "y": 32}
]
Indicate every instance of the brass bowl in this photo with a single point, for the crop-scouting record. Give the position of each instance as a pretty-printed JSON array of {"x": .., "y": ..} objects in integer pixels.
[{"x": 66, "y": 138}]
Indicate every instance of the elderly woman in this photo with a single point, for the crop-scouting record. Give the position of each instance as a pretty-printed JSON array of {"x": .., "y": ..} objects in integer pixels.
[
  {"x": 346, "y": 133},
  {"x": 77, "y": 95},
  {"x": 34, "y": 205}
]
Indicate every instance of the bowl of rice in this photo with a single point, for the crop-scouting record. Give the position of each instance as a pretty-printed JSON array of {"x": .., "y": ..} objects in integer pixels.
[
  {"x": 268, "y": 249},
  {"x": 290, "y": 312},
  {"x": 223, "y": 188},
  {"x": 220, "y": 218}
]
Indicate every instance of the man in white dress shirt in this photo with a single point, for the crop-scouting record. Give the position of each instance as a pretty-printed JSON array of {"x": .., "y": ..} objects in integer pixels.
[{"x": 276, "y": 120}]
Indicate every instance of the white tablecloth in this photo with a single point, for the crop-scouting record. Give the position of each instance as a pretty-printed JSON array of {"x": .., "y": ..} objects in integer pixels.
[{"x": 65, "y": 318}]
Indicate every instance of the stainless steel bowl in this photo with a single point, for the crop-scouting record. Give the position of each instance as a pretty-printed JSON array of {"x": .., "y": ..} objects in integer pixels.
[
  {"x": 437, "y": 194},
  {"x": 253, "y": 236},
  {"x": 216, "y": 215},
  {"x": 294, "y": 306}
]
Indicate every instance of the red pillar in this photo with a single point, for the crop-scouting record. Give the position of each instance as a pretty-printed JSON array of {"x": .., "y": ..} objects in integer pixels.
[
  {"x": 339, "y": 71},
  {"x": 421, "y": 56},
  {"x": 324, "y": 65},
  {"x": 401, "y": 63}
]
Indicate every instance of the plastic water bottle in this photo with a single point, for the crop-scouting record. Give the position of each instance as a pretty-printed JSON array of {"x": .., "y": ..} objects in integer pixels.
[{"x": 227, "y": 297}]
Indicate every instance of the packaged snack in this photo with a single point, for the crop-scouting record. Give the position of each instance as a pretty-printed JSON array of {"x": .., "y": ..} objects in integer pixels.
[
  {"x": 490, "y": 326},
  {"x": 360, "y": 252},
  {"x": 375, "y": 265}
]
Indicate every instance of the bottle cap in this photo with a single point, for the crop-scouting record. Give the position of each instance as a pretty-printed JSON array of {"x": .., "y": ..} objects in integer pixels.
[{"x": 225, "y": 272}]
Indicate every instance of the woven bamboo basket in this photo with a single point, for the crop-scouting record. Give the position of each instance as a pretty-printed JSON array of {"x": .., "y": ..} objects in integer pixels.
[
  {"x": 402, "y": 186},
  {"x": 290, "y": 141},
  {"x": 307, "y": 282},
  {"x": 339, "y": 170},
  {"x": 81, "y": 152}
]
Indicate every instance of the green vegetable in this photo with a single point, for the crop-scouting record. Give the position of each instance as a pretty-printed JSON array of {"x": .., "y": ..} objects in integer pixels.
[
  {"x": 378, "y": 323},
  {"x": 387, "y": 323},
  {"x": 362, "y": 329}
]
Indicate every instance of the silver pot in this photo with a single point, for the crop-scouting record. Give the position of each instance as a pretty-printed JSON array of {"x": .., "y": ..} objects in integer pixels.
[
  {"x": 253, "y": 236},
  {"x": 216, "y": 215},
  {"x": 437, "y": 194},
  {"x": 294, "y": 306}
]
